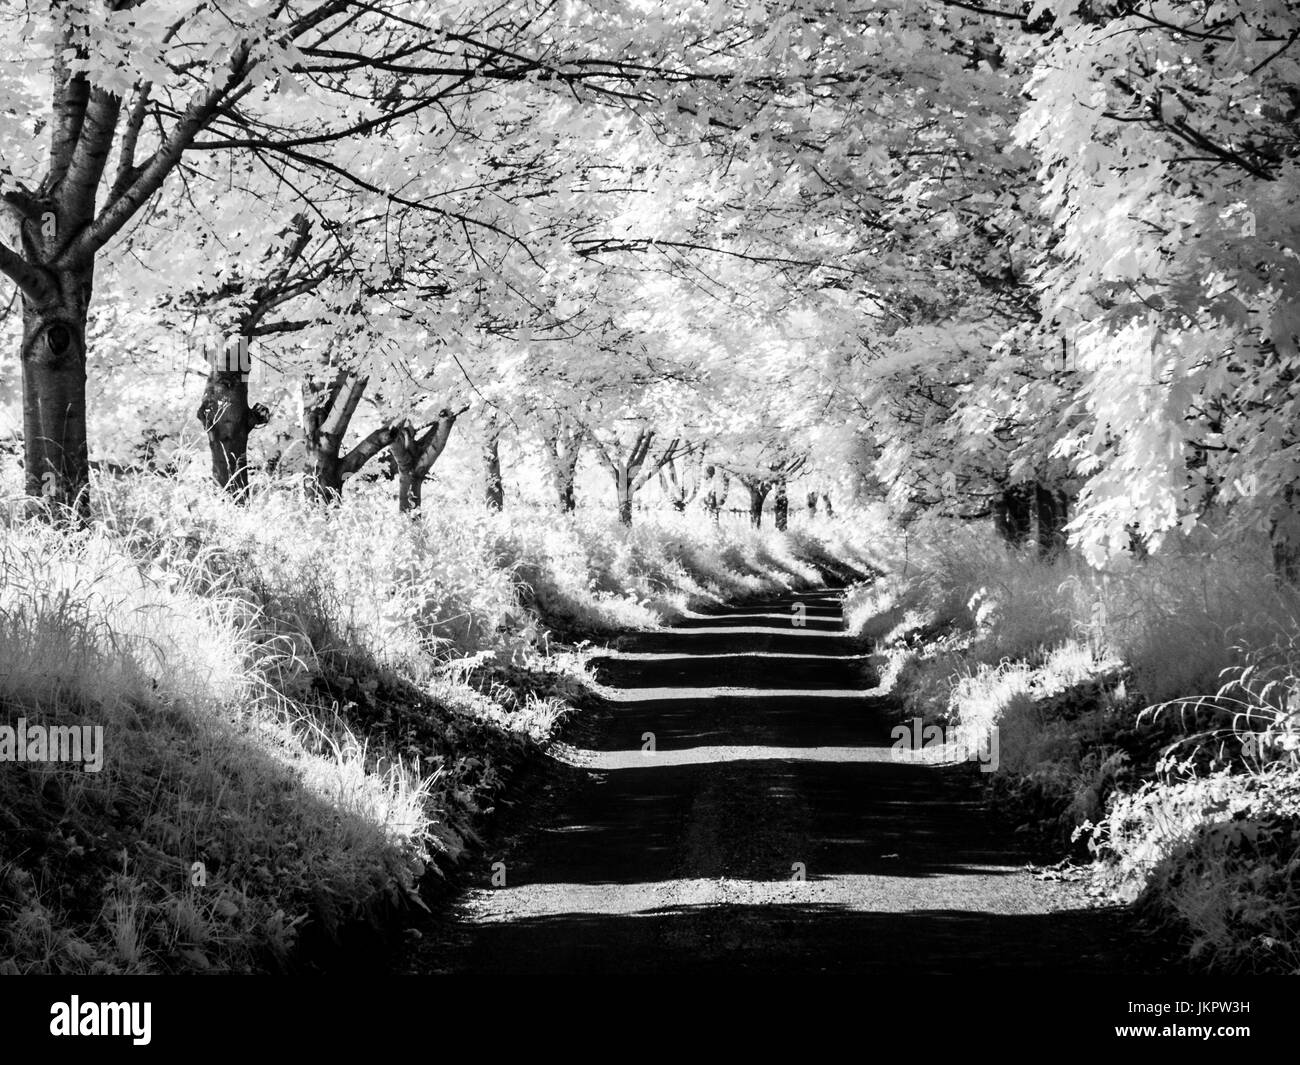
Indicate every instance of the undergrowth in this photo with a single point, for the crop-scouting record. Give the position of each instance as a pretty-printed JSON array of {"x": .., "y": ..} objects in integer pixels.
[
  {"x": 305, "y": 710},
  {"x": 1145, "y": 717}
]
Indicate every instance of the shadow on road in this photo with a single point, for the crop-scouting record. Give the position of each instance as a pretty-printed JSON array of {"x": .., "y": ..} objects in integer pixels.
[
  {"x": 877, "y": 818},
  {"x": 735, "y": 805},
  {"x": 806, "y": 939}
]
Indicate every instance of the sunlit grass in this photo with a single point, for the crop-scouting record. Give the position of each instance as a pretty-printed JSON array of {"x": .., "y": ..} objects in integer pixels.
[
  {"x": 1086, "y": 677},
  {"x": 245, "y": 663}
]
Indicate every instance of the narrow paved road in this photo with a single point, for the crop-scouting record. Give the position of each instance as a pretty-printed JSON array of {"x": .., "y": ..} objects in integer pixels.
[{"x": 771, "y": 758}]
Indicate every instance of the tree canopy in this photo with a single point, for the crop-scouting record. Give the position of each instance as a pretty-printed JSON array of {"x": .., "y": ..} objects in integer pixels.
[{"x": 1029, "y": 260}]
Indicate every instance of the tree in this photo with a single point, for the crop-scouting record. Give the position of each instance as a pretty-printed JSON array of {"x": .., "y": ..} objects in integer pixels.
[
  {"x": 562, "y": 442},
  {"x": 107, "y": 106},
  {"x": 493, "y": 485},
  {"x": 631, "y": 462},
  {"x": 769, "y": 471},
  {"x": 1166, "y": 136},
  {"x": 414, "y": 454},
  {"x": 328, "y": 409},
  {"x": 225, "y": 413},
  {"x": 719, "y": 483},
  {"x": 133, "y": 91},
  {"x": 681, "y": 486}
]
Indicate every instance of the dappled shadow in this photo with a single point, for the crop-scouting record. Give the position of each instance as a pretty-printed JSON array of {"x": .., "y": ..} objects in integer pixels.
[
  {"x": 724, "y": 640},
  {"x": 735, "y": 804},
  {"x": 819, "y": 603},
  {"x": 729, "y": 688},
  {"x": 762, "y": 620},
  {"x": 182, "y": 787},
  {"x": 877, "y": 818},
  {"x": 755, "y": 669},
  {"x": 763, "y": 627},
  {"x": 845, "y": 719}
]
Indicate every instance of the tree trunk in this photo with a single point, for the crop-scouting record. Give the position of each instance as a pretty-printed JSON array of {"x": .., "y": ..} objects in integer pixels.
[
  {"x": 416, "y": 454},
  {"x": 563, "y": 449},
  {"x": 228, "y": 420},
  {"x": 624, "y": 491},
  {"x": 1284, "y": 535},
  {"x": 719, "y": 486},
  {"x": 410, "y": 490},
  {"x": 1286, "y": 560},
  {"x": 781, "y": 508},
  {"x": 1013, "y": 513},
  {"x": 224, "y": 411},
  {"x": 325, "y": 484},
  {"x": 826, "y": 503},
  {"x": 633, "y": 468},
  {"x": 1052, "y": 512},
  {"x": 402, "y": 449},
  {"x": 682, "y": 486},
  {"x": 56, "y": 459},
  {"x": 757, "y": 497},
  {"x": 494, "y": 488},
  {"x": 812, "y": 504},
  {"x": 327, "y": 413}
]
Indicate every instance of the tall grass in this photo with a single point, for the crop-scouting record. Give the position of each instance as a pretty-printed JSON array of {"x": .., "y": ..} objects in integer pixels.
[
  {"x": 461, "y": 578},
  {"x": 205, "y": 761},
  {"x": 1151, "y": 711},
  {"x": 1176, "y": 619},
  {"x": 304, "y": 707}
]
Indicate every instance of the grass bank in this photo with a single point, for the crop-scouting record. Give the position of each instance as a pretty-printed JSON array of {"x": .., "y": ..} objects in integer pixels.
[
  {"x": 1145, "y": 719},
  {"x": 304, "y": 711}
]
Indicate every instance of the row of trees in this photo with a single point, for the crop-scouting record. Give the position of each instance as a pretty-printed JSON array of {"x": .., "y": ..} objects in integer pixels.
[{"x": 1029, "y": 261}]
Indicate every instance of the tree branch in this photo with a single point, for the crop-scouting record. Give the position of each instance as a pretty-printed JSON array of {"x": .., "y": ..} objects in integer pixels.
[{"x": 27, "y": 277}]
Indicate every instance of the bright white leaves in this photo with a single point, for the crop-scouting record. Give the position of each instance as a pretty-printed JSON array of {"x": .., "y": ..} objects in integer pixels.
[
  {"x": 1176, "y": 263},
  {"x": 871, "y": 139}
]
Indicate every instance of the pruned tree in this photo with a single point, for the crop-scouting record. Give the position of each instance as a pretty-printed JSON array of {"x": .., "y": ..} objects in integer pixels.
[
  {"x": 771, "y": 471},
  {"x": 227, "y": 416},
  {"x": 562, "y": 443},
  {"x": 327, "y": 413},
  {"x": 719, "y": 485},
  {"x": 632, "y": 465},
  {"x": 681, "y": 484},
  {"x": 415, "y": 452}
]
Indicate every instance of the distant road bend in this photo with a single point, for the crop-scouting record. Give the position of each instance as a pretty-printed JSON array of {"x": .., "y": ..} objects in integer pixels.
[{"x": 771, "y": 761}]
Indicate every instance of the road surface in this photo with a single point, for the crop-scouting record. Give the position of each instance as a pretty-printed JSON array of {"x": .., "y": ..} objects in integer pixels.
[{"x": 736, "y": 807}]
